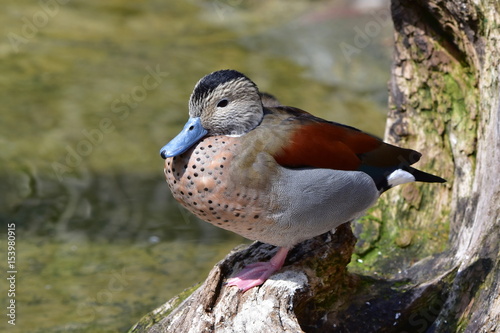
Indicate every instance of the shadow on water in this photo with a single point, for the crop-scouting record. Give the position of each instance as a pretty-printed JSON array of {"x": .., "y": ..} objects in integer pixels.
[{"x": 91, "y": 90}]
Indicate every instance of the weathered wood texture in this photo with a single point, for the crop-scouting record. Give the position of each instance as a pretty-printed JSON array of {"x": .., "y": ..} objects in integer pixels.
[
  {"x": 213, "y": 307},
  {"x": 444, "y": 101}
]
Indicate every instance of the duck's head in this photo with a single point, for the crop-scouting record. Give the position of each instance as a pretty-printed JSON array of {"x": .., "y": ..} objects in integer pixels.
[{"x": 225, "y": 102}]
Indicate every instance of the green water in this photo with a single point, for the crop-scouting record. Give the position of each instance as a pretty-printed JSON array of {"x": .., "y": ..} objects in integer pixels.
[{"x": 91, "y": 90}]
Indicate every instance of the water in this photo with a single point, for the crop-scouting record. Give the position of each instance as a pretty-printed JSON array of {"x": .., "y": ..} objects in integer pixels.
[{"x": 91, "y": 90}]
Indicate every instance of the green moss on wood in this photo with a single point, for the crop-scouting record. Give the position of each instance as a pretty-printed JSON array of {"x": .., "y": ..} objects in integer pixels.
[{"x": 163, "y": 311}]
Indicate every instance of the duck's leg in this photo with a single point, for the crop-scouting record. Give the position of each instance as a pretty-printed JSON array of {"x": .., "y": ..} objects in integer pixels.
[{"x": 257, "y": 273}]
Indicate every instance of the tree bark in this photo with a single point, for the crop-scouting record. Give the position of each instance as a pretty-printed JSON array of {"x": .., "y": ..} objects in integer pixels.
[
  {"x": 443, "y": 271},
  {"x": 447, "y": 60}
]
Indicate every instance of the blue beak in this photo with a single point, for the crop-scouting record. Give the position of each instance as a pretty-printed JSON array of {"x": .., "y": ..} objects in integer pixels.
[{"x": 192, "y": 132}]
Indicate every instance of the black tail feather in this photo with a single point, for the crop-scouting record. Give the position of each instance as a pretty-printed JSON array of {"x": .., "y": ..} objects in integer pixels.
[{"x": 421, "y": 176}]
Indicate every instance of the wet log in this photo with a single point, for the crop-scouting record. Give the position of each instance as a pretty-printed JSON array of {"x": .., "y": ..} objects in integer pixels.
[{"x": 444, "y": 272}]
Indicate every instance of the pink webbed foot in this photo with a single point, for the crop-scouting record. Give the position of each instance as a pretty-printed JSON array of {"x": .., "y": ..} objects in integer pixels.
[
  {"x": 257, "y": 273},
  {"x": 252, "y": 275}
]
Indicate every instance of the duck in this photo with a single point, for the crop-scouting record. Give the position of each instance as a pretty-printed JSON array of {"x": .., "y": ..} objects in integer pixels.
[{"x": 276, "y": 174}]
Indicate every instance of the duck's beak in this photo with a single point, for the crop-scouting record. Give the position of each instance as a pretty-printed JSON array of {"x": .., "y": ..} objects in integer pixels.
[{"x": 192, "y": 132}]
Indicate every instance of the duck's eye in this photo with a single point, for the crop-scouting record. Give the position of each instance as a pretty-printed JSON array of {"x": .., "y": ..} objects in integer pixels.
[{"x": 222, "y": 103}]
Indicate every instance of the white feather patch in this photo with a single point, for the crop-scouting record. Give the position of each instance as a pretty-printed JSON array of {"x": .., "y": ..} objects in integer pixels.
[
  {"x": 234, "y": 135},
  {"x": 399, "y": 177}
]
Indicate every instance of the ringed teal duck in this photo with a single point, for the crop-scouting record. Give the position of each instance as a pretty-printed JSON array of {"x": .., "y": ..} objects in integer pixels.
[{"x": 273, "y": 173}]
